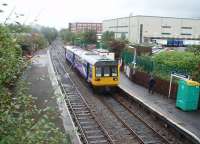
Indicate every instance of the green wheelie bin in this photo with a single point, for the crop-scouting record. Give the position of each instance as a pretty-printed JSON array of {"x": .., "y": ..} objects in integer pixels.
[{"x": 188, "y": 95}]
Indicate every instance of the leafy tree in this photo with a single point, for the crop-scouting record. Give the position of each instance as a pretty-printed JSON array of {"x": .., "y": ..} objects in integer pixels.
[
  {"x": 67, "y": 36},
  {"x": 49, "y": 33},
  {"x": 14, "y": 28},
  {"x": 10, "y": 56},
  {"x": 89, "y": 37},
  {"x": 31, "y": 42},
  {"x": 20, "y": 120},
  {"x": 117, "y": 46},
  {"x": 108, "y": 36}
]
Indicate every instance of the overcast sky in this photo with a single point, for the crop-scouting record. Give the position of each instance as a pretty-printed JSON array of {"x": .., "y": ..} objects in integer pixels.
[{"x": 58, "y": 13}]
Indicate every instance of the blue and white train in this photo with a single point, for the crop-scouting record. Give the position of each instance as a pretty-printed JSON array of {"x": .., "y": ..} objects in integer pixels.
[{"x": 98, "y": 70}]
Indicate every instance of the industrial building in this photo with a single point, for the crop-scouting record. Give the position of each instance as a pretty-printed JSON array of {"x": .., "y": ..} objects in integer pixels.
[
  {"x": 83, "y": 27},
  {"x": 163, "y": 30}
]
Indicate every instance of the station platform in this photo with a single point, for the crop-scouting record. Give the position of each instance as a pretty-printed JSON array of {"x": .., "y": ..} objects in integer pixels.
[
  {"x": 43, "y": 85},
  {"x": 188, "y": 123}
]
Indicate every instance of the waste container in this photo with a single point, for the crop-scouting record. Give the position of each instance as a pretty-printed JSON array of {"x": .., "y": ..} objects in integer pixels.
[
  {"x": 188, "y": 95},
  {"x": 199, "y": 97}
]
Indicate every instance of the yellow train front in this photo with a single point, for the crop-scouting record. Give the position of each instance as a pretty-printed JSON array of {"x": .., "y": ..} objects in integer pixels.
[
  {"x": 98, "y": 70},
  {"x": 105, "y": 74}
]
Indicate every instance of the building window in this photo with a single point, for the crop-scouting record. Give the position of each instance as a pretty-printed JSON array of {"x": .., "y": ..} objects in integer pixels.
[
  {"x": 118, "y": 26},
  {"x": 165, "y": 33},
  {"x": 186, "y": 27},
  {"x": 166, "y": 26},
  {"x": 186, "y": 34}
]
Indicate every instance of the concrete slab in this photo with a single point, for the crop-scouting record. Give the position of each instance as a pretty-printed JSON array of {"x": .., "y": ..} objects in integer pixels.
[
  {"x": 44, "y": 86},
  {"x": 187, "y": 122}
]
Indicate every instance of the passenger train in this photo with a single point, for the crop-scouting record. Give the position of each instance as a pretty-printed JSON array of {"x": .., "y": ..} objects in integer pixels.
[{"x": 98, "y": 70}]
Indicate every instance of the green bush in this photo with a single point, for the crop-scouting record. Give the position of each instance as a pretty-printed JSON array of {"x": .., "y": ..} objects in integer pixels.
[
  {"x": 10, "y": 57},
  {"x": 166, "y": 62},
  {"x": 184, "y": 62},
  {"x": 31, "y": 42},
  {"x": 21, "y": 122}
]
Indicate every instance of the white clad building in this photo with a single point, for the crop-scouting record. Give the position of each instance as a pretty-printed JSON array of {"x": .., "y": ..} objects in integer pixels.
[{"x": 139, "y": 29}]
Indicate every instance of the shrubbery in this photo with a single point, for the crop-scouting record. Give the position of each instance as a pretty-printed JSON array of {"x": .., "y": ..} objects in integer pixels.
[
  {"x": 31, "y": 42},
  {"x": 21, "y": 122},
  {"x": 166, "y": 62},
  {"x": 10, "y": 57},
  {"x": 183, "y": 61}
]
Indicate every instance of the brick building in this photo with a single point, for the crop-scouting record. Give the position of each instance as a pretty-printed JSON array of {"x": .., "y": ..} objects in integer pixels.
[{"x": 83, "y": 27}]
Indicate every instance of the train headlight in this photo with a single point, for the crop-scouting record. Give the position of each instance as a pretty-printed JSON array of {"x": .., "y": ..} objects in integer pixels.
[
  {"x": 97, "y": 79},
  {"x": 115, "y": 79}
]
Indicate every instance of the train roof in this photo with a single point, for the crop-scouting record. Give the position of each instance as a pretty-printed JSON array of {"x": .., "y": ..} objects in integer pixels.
[{"x": 89, "y": 56}]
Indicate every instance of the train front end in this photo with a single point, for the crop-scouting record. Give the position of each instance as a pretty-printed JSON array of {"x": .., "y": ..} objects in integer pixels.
[{"x": 105, "y": 74}]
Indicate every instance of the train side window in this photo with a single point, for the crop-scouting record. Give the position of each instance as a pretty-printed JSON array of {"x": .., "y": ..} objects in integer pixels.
[
  {"x": 106, "y": 71},
  {"x": 114, "y": 71},
  {"x": 98, "y": 71}
]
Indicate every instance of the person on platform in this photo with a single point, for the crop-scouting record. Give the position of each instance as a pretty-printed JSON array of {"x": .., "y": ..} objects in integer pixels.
[{"x": 151, "y": 84}]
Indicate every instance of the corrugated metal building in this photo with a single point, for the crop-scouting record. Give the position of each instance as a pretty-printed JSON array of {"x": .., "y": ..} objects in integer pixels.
[{"x": 139, "y": 29}]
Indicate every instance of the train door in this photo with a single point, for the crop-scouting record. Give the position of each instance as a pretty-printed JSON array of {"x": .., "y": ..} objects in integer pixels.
[{"x": 88, "y": 71}]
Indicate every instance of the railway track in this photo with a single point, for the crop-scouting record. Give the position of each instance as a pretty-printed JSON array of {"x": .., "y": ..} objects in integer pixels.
[
  {"x": 134, "y": 124},
  {"x": 144, "y": 132},
  {"x": 118, "y": 133},
  {"x": 112, "y": 119},
  {"x": 92, "y": 132}
]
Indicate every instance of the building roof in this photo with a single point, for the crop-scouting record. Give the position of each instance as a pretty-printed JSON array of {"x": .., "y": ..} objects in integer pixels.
[
  {"x": 85, "y": 23},
  {"x": 154, "y": 17}
]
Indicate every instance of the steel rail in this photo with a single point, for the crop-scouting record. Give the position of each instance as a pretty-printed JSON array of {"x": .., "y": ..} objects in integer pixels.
[
  {"x": 93, "y": 115},
  {"x": 165, "y": 140}
]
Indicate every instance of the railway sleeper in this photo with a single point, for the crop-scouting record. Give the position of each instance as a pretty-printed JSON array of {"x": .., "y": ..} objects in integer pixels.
[
  {"x": 95, "y": 137},
  {"x": 87, "y": 128},
  {"x": 77, "y": 104},
  {"x": 80, "y": 108},
  {"x": 99, "y": 142},
  {"x": 85, "y": 118},
  {"x": 74, "y": 94},
  {"x": 74, "y": 98},
  {"x": 87, "y": 122},
  {"x": 93, "y": 132},
  {"x": 151, "y": 140},
  {"x": 79, "y": 114},
  {"x": 76, "y": 101}
]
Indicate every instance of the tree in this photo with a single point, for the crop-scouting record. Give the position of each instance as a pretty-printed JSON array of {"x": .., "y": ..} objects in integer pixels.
[
  {"x": 66, "y": 35},
  {"x": 117, "y": 46},
  {"x": 89, "y": 37},
  {"x": 31, "y": 42},
  {"x": 20, "y": 120},
  {"x": 13, "y": 28},
  {"x": 10, "y": 55},
  {"x": 108, "y": 36},
  {"x": 49, "y": 33}
]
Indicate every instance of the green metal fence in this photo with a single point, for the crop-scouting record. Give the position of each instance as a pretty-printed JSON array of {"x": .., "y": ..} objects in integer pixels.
[
  {"x": 127, "y": 57},
  {"x": 147, "y": 64}
]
